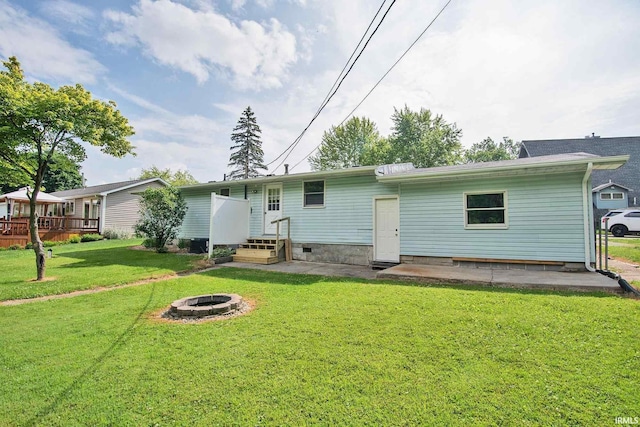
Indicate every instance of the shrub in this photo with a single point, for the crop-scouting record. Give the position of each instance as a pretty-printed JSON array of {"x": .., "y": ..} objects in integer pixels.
[
  {"x": 162, "y": 250},
  {"x": 221, "y": 252},
  {"x": 75, "y": 238},
  {"x": 91, "y": 237},
  {"x": 29, "y": 246},
  {"x": 14, "y": 247},
  {"x": 49, "y": 244},
  {"x": 149, "y": 243},
  {"x": 3, "y": 249},
  {"x": 184, "y": 243},
  {"x": 117, "y": 234}
]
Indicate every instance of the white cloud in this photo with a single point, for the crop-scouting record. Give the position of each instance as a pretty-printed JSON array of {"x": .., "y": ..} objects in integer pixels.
[
  {"x": 257, "y": 55},
  {"x": 41, "y": 50},
  {"x": 68, "y": 12}
]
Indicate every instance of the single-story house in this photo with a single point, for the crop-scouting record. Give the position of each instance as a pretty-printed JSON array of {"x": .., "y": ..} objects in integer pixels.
[
  {"x": 611, "y": 196},
  {"x": 534, "y": 211},
  {"x": 114, "y": 205},
  {"x": 627, "y": 175}
]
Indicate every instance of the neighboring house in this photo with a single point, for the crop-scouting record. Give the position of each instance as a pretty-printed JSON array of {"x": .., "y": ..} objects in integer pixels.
[
  {"x": 16, "y": 204},
  {"x": 628, "y": 176},
  {"x": 534, "y": 211},
  {"x": 611, "y": 196},
  {"x": 116, "y": 205}
]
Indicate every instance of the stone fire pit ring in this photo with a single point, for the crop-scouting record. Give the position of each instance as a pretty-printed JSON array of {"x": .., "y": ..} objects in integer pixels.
[{"x": 205, "y": 305}]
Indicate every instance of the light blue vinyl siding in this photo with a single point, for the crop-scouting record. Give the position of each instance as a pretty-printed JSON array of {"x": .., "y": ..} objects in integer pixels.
[
  {"x": 196, "y": 222},
  {"x": 545, "y": 220},
  {"x": 612, "y": 203},
  {"x": 347, "y": 215}
]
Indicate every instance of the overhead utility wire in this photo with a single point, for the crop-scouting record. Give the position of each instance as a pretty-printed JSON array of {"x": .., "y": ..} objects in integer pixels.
[
  {"x": 337, "y": 78},
  {"x": 297, "y": 140},
  {"x": 379, "y": 81}
]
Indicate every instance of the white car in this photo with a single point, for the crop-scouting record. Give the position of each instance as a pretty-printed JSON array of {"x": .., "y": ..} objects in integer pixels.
[{"x": 621, "y": 222}]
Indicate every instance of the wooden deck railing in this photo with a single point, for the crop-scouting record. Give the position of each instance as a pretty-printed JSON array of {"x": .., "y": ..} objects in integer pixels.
[{"x": 20, "y": 226}]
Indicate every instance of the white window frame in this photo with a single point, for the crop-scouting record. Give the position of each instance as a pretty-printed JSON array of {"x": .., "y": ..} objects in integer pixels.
[
  {"x": 497, "y": 226},
  {"x": 620, "y": 193},
  {"x": 70, "y": 207},
  {"x": 324, "y": 195}
]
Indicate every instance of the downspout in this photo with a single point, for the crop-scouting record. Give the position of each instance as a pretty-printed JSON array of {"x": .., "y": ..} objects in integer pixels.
[{"x": 586, "y": 221}]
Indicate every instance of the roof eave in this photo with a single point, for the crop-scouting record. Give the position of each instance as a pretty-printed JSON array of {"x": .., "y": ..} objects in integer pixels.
[
  {"x": 612, "y": 162},
  {"x": 362, "y": 170}
]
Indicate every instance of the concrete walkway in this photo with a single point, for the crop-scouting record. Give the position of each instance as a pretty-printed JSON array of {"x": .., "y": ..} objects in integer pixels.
[
  {"x": 454, "y": 275},
  {"x": 508, "y": 278}
]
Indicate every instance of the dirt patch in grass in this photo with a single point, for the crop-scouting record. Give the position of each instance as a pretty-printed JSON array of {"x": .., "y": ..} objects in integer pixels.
[
  {"x": 163, "y": 316},
  {"x": 46, "y": 279}
]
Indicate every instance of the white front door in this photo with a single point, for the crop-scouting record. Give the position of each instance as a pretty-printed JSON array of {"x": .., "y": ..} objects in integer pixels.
[
  {"x": 272, "y": 206},
  {"x": 386, "y": 243}
]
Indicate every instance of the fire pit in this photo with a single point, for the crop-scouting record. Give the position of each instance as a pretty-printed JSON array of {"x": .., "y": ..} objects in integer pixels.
[{"x": 205, "y": 305}]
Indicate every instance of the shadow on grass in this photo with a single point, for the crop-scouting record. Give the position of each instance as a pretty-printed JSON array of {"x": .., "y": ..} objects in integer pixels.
[
  {"x": 121, "y": 339},
  {"x": 128, "y": 257},
  {"x": 280, "y": 278}
]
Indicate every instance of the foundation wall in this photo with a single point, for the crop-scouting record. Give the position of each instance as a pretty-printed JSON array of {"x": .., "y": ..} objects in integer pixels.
[{"x": 338, "y": 254}]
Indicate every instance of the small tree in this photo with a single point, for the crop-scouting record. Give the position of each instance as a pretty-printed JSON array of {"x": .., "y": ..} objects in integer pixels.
[
  {"x": 162, "y": 211},
  {"x": 37, "y": 122},
  {"x": 248, "y": 157}
]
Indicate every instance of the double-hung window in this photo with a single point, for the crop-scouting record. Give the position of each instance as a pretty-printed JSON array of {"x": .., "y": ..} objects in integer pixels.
[
  {"x": 611, "y": 196},
  {"x": 486, "y": 210},
  {"x": 313, "y": 194}
]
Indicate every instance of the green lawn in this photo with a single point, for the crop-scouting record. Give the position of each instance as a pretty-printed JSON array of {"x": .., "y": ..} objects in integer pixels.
[
  {"x": 84, "y": 266},
  {"x": 630, "y": 251},
  {"x": 320, "y": 351}
]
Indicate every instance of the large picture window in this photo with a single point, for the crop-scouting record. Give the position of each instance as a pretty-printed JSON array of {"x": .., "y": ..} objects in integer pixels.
[
  {"x": 313, "y": 194},
  {"x": 485, "y": 210}
]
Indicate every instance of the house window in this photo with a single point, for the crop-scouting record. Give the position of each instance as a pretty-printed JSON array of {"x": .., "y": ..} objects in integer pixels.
[
  {"x": 70, "y": 208},
  {"x": 313, "y": 194},
  {"x": 611, "y": 196},
  {"x": 225, "y": 192},
  {"x": 485, "y": 210}
]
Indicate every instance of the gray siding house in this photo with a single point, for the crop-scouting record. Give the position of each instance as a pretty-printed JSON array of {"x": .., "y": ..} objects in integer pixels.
[
  {"x": 533, "y": 211},
  {"x": 115, "y": 204},
  {"x": 627, "y": 176}
]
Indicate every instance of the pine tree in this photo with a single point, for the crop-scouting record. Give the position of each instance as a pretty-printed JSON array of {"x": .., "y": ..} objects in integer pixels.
[{"x": 248, "y": 157}]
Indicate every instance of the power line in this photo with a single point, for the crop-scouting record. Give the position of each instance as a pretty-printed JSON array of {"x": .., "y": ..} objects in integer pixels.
[
  {"x": 381, "y": 78},
  {"x": 293, "y": 145}
]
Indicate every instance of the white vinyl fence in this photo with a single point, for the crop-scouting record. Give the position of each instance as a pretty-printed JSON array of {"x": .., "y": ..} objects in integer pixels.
[{"x": 229, "y": 221}]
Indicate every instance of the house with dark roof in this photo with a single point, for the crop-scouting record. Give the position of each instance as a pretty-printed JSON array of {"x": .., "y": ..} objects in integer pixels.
[
  {"x": 626, "y": 177},
  {"x": 115, "y": 205}
]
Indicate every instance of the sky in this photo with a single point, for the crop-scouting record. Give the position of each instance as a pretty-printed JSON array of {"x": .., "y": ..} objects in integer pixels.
[{"x": 182, "y": 71}]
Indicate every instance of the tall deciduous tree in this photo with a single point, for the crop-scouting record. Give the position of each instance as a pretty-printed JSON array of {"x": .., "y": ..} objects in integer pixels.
[
  {"x": 177, "y": 178},
  {"x": 424, "y": 139},
  {"x": 62, "y": 174},
  {"x": 248, "y": 156},
  {"x": 487, "y": 150},
  {"x": 357, "y": 142},
  {"x": 37, "y": 121},
  {"x": 162, "y": 211}
]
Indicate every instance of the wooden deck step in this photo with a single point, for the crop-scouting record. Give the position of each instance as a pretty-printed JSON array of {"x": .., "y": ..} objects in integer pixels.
[
  {"x": 256, "y": 253},
  {"x": 254, "y": 260}
]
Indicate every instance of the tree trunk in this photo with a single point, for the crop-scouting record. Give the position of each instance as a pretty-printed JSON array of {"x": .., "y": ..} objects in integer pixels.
[{"x": 38, "y": 248}]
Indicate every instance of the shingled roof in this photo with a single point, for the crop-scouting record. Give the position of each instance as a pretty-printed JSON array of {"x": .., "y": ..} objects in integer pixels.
[
  {"x": 104, "y": 188},
  {"x": 628, "y": 175}
]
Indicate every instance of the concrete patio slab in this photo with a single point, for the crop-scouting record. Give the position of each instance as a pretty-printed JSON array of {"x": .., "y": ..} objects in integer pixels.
[
  {"x": 586, "y": 281},
  {"x": 445, "y": 274}
]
